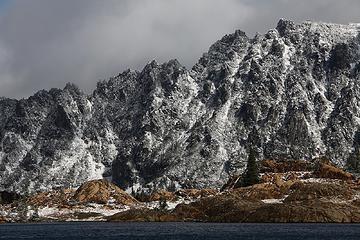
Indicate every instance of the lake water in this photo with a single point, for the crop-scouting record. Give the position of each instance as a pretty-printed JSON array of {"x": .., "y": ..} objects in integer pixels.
[{"x": 158, "y": 231}]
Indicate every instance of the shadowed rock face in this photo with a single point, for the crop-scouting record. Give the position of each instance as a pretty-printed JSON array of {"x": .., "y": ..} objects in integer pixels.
[
  {"x": 292, "y": 93},
  {"x": 8, "y": 197}
]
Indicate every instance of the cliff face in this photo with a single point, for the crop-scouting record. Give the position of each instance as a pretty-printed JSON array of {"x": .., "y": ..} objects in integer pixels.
[{"x": 293, "y": 93}]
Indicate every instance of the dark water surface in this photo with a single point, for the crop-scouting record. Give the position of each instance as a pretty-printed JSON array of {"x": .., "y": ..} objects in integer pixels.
[{"x": 103, "y": 231}]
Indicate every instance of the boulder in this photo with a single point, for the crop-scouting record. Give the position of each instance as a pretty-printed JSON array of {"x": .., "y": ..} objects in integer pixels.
[
  {"x": 102, "y": 192},
  {"x": 324, "y": 170}
]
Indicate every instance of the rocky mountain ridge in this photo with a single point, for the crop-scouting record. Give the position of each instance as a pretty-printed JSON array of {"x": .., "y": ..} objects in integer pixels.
[{"x": 292, "y": 93}]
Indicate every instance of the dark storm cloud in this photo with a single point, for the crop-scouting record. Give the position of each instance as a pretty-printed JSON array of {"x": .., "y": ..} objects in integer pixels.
[{"x": 46, "y": 43}]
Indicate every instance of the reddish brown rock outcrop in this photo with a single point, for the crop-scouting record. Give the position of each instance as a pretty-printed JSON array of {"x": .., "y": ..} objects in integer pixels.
[
  {"x": 196, "y": 193},
  {"x": 53, "y": 198},
  {"x": 260, "y": 191},
  {"x": 282, "y": 197},
  {"x": 2, "y": 220},
  {"x": 102, "y": 192},
  {"x": 285, "y": 166},
  {"x": 324, "y": 170},
  {"x": 308, "y": 212},
  {"x": 309, "y": 191},
  {"x": 143, "y": 215},
  {"x": 229, "y": 207},
  {"x": 188, "y": 194},
  {"x": 274, "y": 185}
]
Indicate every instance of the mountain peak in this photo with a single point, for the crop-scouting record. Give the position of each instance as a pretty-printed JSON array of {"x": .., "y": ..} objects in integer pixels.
[
  {"x": 167, "y": 127},
  {"x": 285, "y": 26},
  {"x": 71, "y": 87}
]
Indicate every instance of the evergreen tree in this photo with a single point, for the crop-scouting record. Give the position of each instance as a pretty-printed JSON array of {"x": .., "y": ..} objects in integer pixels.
[
  {"x": 251, "y": 174},
  {"x": 353, "y": 162}
]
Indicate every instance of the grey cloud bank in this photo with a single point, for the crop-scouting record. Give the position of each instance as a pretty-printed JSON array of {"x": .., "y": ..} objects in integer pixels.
[{"x": 46, "y": 43}]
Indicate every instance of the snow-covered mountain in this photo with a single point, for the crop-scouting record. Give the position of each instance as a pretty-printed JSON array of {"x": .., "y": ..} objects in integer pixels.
[{"x": 293, "y": 93}]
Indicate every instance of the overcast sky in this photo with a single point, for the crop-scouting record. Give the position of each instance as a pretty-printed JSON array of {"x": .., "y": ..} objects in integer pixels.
[{"x": 46, "y": 43}]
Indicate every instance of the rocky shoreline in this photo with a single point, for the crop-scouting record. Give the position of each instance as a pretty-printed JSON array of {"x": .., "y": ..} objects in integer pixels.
[{"x": 290, "y": 191}]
